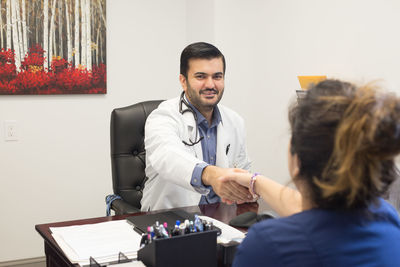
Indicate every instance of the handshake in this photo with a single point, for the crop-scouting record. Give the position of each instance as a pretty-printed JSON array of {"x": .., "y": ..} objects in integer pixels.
[{"x": 231, "y": 185}]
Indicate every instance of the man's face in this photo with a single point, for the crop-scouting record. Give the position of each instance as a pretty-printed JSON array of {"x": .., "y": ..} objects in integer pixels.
[{"x": 204, "y": 85}]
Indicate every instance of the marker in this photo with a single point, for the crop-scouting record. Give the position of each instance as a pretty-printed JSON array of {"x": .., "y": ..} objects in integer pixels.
[
  {"x": 187, "y": 226},
  {"x": 182, "y": 229},
  {"x": 198, "y": 224},
  {"x": 163, "y": 232},
  {"x": 166, "y": 228},
  {"x": 175, "y": 231},
  {"x": 209, "y": 226},
  {"x": 192, "y": 228},
  {"x": 150, "y": 234},
  {"x": 156, "y": 230}
]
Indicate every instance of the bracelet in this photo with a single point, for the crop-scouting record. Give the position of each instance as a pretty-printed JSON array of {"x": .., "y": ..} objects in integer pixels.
[{"x": 252, "y": 182}]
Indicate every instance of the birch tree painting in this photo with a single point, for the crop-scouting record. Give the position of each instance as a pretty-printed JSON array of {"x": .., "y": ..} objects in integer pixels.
[{"x": 52, "y": 47}]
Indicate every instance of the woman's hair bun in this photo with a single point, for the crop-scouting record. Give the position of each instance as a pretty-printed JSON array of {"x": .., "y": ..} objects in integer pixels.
[
  {"x": 380, "y": 112},
  {"x": 346, "y": 138}
]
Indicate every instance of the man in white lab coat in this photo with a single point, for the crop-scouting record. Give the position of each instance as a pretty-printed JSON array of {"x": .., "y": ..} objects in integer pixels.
[{"x": 191, "y": 141}]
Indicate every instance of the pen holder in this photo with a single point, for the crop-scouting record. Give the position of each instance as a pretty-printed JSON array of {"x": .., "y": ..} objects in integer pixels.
[{"x": 194, "y": 249}]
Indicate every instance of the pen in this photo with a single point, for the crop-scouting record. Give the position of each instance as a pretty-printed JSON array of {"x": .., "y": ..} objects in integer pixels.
[
  {"x": 198, "y": 224},
  {"x": 182, "y": 229},
  {"x": 149, "y": 231}
]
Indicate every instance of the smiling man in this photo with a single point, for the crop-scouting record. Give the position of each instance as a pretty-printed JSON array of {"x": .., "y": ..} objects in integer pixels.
[{"x": 191, "y": 141}]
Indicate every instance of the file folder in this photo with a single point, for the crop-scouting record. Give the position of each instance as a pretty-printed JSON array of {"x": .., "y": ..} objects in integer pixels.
[{"x": 307, "y": 81}]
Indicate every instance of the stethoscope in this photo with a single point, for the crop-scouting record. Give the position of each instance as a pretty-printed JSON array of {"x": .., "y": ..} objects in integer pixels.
[{"x": 182, "y": 102}]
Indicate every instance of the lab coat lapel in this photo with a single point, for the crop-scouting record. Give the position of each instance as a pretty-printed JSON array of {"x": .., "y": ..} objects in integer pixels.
[{"x": 222, "y": 144}]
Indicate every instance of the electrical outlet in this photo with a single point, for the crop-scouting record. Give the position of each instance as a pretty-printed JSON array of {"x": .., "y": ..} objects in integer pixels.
[{"x": 11, "y": 133}]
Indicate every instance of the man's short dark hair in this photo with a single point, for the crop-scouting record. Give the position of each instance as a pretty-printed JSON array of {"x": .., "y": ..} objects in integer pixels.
[{"x": 200, "y": 50}]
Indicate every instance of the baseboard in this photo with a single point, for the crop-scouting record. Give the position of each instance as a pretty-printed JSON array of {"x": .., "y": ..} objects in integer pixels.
[{"x": 24, "y": 262}]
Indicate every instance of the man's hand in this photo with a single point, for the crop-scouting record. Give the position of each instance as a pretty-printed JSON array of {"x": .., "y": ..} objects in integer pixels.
[
  {"x": 228, "y": 190},
  {"x": 239, "y": 177}
]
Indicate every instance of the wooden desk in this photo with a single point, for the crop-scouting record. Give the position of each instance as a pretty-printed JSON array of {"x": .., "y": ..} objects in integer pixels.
[{"x": 56, "y": 258}]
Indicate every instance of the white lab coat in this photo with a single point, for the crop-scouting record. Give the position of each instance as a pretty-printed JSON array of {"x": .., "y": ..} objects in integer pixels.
[{"x": 170, "y": 163}]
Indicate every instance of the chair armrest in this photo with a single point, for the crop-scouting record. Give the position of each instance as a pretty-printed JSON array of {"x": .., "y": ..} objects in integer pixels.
[{"x": 121, "y": 207}]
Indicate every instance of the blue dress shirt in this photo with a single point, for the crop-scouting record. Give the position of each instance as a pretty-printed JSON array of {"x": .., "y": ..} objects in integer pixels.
[{"x": 209, "y": 149}]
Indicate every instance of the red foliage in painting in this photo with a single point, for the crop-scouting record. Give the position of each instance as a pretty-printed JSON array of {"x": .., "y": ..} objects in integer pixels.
[
  {"x": 34, "y": 60},
  {"x": 7, "y": 56},
  {"x": 59, "y": 64},
  {"x": 32, "y": 82},
  {"x": 99, "y": 76},
  {"x": 7, "y": 87},
  {"x": 7, "y": 66},
  {"x": 72, "y": 80},
  {"x": 61, "y": 78}
]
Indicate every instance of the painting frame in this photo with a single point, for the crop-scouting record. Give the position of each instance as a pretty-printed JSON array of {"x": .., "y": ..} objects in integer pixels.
[{"x": 53, "y": 47}]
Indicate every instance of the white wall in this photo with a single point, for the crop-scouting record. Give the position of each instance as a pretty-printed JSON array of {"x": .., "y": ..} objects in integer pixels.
[
  {"x": 60, "y": 168},
  {"x": 268, "y": 43}
]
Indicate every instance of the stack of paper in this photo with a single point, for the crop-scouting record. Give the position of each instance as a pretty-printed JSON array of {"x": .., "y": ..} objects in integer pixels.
[
  {"x": 228, "y": 233},
  {"x": 102, "y": 241}
]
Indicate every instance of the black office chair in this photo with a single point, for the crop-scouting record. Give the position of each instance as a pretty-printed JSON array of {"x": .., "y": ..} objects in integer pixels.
[{"x": 128, "y": 158}]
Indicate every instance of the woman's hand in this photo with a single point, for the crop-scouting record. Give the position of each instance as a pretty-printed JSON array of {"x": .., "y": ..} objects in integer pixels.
[
  {"x": 237, "y": 176},
  {"x": 227, "y": 189}
]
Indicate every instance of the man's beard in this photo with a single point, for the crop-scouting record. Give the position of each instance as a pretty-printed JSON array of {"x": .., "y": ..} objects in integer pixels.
[{"x": 195, "y": 98}]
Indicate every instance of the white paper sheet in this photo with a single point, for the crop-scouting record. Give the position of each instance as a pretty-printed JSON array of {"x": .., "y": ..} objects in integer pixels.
[
  {"x": 102, "y": 241},
  {"x": 228, "y": 232}
]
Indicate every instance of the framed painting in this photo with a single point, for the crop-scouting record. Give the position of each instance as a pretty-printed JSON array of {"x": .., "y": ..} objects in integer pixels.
[{"x": 52, "y": 47}]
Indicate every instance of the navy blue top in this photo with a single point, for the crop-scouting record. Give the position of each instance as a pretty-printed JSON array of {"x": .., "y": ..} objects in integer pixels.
[{"x": 326, "y": 238}]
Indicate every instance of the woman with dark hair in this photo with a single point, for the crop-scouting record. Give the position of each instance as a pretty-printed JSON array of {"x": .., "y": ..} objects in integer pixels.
[{"x": 341, "y": 159}]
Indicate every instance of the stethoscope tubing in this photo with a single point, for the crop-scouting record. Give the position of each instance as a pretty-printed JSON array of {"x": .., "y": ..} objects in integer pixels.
[{"x": 191, "y": 110}]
